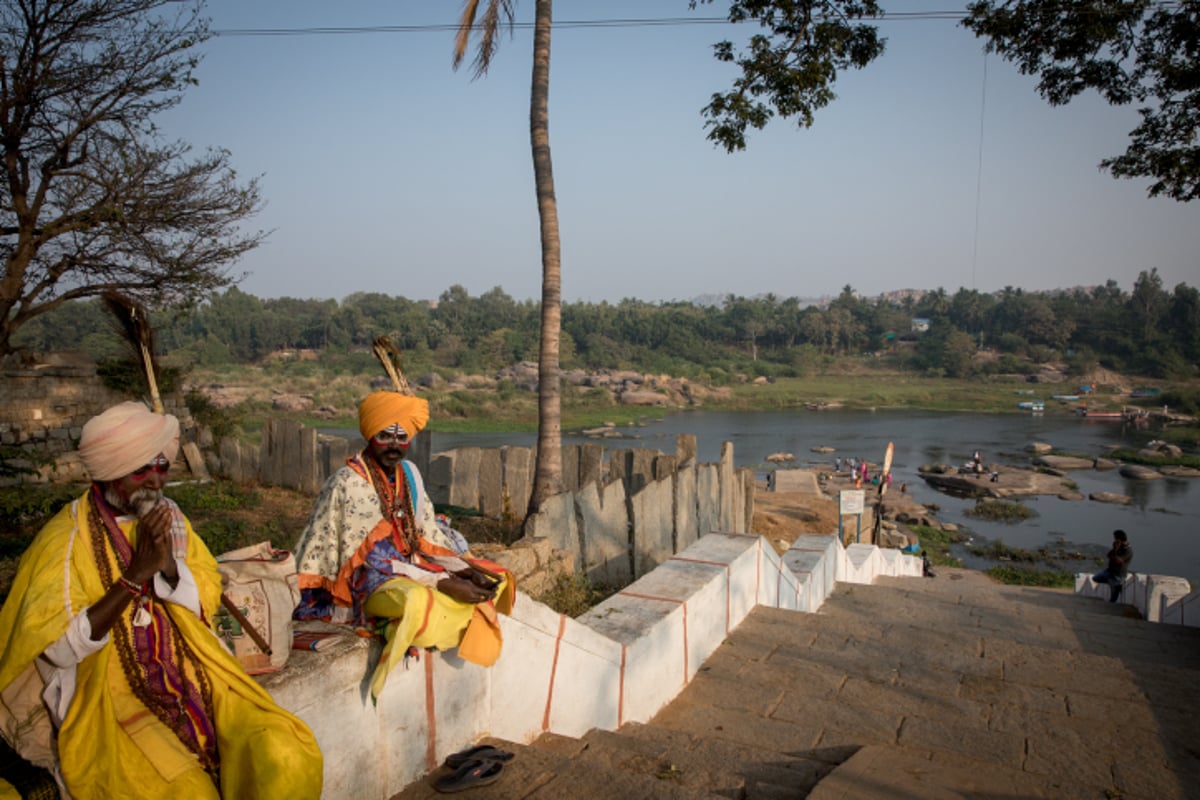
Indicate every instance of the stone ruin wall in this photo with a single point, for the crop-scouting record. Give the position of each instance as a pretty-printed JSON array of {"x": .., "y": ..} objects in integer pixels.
[{"x": 43, "y": 411}]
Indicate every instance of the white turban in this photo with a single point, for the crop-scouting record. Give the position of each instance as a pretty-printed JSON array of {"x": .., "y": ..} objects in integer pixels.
[{"x": 124, "y": 438}]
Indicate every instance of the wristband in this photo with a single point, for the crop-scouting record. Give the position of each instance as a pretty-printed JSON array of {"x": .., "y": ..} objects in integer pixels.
[{"x": 131, "y": 587}]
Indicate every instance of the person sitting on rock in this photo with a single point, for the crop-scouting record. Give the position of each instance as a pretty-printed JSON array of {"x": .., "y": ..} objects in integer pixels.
[{"x": 375, "y": 555}]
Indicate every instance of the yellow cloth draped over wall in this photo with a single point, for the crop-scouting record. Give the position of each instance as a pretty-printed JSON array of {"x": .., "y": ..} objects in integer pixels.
[{"x": 110, "y": 744}]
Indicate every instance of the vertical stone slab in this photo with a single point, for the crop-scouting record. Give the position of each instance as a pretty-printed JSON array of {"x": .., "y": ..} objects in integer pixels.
[
  {"x": 641, "y": 470},
  {"x": 289, "y": 467},
  {"x": 251, "y": 461},
  {"x": 726, "y": 518},
  {"x": 464, "y": 484},
  {"x": 231, "y": 459},
  {"x": 685, "y": 448},
  {"x": 747, "y": 500},
  {"x": 268, "y": 453},
  {"x": 737, "y": 496},
  {"x": 652, "y": 523},
  {"x": 517, "y": 463},
  {"x": 491, "y": 483},
  {"x": 665, "y": 466},
  {"x": 440, "y": 478},
  {"x": 555, "y": 521},
  {"x": 335, "y": 451},
  {"x": 194, "y": 459},
  {"x": 686, "y": 523},
  {"x": 420, "y": 452},
  {"x": 570, "y": 468},
  {"x": 591, "y": 463},
  {"x": 602, "y": 516},
  {"x": 307, "y": 465},
  {"x": 619, "y": 464},
  {"x": 708, "y": 499},
  {"x": 288, "y": 453}
]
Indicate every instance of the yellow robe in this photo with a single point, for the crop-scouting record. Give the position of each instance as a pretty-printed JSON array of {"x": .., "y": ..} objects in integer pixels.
[{"x": 110, "y": 744}]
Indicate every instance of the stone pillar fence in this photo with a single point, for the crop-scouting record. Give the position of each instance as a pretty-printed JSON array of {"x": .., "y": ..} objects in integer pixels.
[{"x": 622, "y": 511}]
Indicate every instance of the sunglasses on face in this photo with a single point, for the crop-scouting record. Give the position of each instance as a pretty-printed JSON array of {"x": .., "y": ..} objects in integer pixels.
[{"x": 161, "y": 465}]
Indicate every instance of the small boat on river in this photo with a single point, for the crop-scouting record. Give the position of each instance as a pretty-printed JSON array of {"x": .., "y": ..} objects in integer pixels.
[{"x": 1032, "y": 405}]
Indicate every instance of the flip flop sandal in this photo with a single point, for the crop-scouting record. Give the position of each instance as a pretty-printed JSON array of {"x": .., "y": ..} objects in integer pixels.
[
  {"x": 455, "y": 760},
  {"x": 476, "y": 772}
]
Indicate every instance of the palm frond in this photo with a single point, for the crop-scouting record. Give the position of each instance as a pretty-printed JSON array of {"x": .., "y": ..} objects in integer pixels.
[
  {"x": 134, "y": 324},
  {"x": 496, "y": 13}
]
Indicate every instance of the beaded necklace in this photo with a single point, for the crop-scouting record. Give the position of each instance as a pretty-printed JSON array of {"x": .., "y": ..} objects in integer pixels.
[
  {"x": 396, "y": 505},
  {"x": 161, "y": 668}
]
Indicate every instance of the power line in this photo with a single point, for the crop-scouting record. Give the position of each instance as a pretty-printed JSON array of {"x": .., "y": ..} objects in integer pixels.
[
  {"x": 659, "y": 22},
  {"x": 647, "y": 22},
  {"x": 979, "y": 170}
]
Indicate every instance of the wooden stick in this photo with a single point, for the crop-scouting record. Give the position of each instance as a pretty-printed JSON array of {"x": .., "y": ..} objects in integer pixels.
[{"x": 237, "y": 614}]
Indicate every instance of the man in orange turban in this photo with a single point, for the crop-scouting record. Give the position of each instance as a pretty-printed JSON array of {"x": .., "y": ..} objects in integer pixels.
[
  {"x": 375, "y": 555},
  {"x": 111, "y": 674}
]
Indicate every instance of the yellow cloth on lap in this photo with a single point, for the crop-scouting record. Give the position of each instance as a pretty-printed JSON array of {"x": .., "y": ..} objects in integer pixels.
[{"x": 424, "y": 617}]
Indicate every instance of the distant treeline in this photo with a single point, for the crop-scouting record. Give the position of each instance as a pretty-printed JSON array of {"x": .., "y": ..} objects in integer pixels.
[{"x": 1148, "y": 331}]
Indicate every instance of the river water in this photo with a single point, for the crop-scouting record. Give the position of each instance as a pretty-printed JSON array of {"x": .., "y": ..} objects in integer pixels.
[{"x": 1163, "y": 521}]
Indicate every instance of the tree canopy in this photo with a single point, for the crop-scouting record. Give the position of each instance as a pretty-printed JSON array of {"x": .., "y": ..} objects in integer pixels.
[
  {"x": 1149, "y": 331},
  {"x": 1130, "y": 51},
  {"x": 93, "y": 198},
  {"x": 790, "y": 68}
]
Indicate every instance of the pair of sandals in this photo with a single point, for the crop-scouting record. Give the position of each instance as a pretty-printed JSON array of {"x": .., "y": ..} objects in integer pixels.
[{"x": 475, "y": 766}]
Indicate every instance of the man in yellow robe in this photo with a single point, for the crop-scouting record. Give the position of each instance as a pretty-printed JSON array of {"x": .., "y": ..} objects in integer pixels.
[
  {"x": 374, "y": 554},
  {"x": 111, "y": 675}
]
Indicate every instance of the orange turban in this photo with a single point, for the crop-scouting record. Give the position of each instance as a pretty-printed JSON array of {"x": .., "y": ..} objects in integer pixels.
[
  {"x": 125, "y": 437},
  {"x": 381, "y": 410}
]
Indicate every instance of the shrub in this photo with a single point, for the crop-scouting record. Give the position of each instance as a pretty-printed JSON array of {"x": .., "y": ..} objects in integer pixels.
[
  {"x": 1000, "y": 511},
  {"x": 572, "y": 594},
  {"x": 1028, "y": 576}
]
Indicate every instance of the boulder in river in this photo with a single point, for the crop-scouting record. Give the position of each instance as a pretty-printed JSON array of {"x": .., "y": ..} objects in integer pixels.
[
  {"x": 1064, "y": 462},
  {"x": 1139, "y": 472},
  {"x": 1180, "y": 472}
]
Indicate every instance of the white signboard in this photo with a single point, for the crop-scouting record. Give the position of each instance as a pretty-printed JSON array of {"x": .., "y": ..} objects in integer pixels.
[{"x": 852, "y": 501}]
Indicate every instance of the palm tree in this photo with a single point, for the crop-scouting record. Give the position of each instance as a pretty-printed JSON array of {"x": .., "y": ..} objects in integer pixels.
[{"x": 547, "y": 480}]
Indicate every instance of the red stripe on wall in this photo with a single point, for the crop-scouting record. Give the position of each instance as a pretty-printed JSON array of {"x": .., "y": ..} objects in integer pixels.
[
  {"x": 562, "y": 625},
  {"x": 430, "y": 716}
]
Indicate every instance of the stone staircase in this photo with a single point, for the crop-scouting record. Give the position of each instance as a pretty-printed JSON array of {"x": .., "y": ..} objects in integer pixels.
[{"x": 945, "y": 688}]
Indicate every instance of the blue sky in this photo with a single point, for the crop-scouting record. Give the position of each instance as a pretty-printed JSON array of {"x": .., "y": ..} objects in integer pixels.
[{"x": 384, "y": 170}]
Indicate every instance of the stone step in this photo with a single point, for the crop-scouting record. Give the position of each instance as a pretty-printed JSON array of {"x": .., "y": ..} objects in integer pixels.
[
  {"x": 725, "y": 767},
  {"x": 663, "y": 753},
  {"x": 884, "y": 772},
  {"x": 555, "y": 767}
]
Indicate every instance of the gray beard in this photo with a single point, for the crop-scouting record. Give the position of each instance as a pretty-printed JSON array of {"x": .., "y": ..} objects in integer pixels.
[{"x": 139, "y": 503}]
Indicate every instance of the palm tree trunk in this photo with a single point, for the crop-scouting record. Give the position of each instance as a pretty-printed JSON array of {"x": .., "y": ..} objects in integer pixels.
[{"x": 547, "y": 480}]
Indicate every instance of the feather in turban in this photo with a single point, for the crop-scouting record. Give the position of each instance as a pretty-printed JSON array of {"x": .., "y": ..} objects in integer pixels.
[
  {"x": 384, "y": 409},
  {"x": 124, "y": 438}
]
